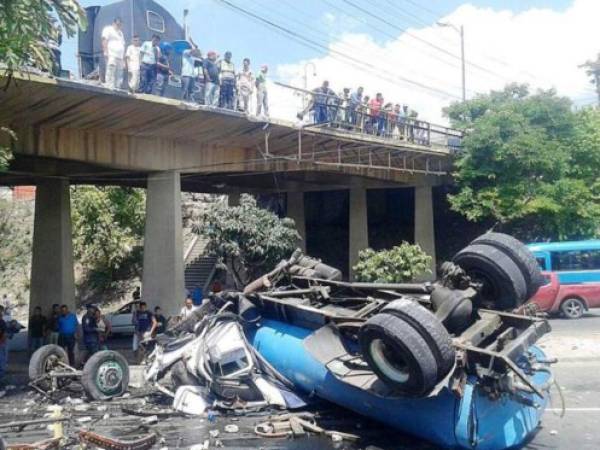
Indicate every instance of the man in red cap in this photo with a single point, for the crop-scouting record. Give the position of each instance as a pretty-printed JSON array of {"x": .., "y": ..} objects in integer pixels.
[{"x": 211, "y": 80}]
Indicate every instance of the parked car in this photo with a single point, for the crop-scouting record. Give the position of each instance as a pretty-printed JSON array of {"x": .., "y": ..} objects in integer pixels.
[
  {"x": 570, "y": 300},
  {"x": 121, "y": 319}
]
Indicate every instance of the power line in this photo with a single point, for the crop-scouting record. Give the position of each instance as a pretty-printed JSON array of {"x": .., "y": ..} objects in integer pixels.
[
  {"x": 384, "y": 56},
  {"x": 424, "y": 41},
  {"x": 350, "y": 60}
]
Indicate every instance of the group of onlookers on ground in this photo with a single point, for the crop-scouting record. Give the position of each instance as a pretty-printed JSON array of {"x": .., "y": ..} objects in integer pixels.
[{"x": 204, "y": 79}]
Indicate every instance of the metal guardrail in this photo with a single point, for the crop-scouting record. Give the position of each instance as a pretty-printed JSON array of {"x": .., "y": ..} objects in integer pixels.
[{"x": 387, "y": 125}]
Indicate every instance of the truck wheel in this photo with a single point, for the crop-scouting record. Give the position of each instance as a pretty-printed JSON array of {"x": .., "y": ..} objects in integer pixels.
[
  {"x": 44, "y": 360},
  {"x": 398, "y": 355},
  {"x": 502, "y": 283},
  {"x": 105, "y": 375},
  {"x": 180, "y": 376},
  {"x": 430, "y": 329},
  {"x": 521, "y": 256},
  {"x": 572, "y": 308}
]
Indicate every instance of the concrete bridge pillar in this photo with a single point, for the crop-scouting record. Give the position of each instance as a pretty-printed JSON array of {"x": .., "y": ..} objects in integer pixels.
[
  {"x": 424, "y": 229},
  {"x": 162, "y": 277},
  {"x": 358, "y": 225},
  {"x": 52, "y": 277},
  {"x": 295, "y": 210}
]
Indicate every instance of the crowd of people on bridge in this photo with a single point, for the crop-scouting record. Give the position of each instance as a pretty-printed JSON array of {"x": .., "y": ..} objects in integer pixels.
[
  {"x": 205, "y": 79},
  {"x": 213, "y": 81}
]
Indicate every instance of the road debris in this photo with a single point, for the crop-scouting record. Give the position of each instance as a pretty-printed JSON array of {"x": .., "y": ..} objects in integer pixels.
[
  {"x": 103, "y": 442},
  {"x": 295, "y": 425}
]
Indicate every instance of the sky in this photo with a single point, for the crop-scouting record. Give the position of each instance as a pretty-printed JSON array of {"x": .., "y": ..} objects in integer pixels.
[{"x": 397, "y": 48}]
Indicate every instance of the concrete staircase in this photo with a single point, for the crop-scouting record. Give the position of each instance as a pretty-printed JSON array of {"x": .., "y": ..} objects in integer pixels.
[{"x": 199, "y": 269}]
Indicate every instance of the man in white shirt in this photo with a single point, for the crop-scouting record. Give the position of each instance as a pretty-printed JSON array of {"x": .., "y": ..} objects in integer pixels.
[
  {"x": 113, "y": 47},
  {"x": 188, "y": 308},
  {"x": 245, "y": 86},
  {"x": 150, "y": 52},
  {"x": 132, "y": 58},
  {"x": 189, "y": 72}
]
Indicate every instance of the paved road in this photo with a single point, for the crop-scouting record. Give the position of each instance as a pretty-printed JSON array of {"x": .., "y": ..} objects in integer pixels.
[{"x": 575, "y": 343}]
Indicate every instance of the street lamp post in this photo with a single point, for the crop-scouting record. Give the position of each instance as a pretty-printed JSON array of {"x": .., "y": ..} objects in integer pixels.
[
  {"x": 314, "y": 69},
  {"x": 461, "y": 32}
]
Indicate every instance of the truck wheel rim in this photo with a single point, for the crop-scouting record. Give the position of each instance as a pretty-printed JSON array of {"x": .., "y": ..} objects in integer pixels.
[
  {"x": 109, "y": 377},
  {"x": 392, "y": 366},
  {"x": 573, "y": 308}
]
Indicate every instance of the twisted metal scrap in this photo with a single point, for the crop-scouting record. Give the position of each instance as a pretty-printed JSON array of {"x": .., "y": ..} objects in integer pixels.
[{"x": 143, "y": 443}]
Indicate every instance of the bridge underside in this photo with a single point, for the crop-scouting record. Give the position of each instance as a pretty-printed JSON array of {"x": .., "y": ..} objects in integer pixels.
[{"x": 74, "y": 133}]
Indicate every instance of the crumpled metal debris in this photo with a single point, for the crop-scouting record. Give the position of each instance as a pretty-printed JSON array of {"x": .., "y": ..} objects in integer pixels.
[
  {"x": 104, "y": 442},
  {"x": 299, "y": 424}
]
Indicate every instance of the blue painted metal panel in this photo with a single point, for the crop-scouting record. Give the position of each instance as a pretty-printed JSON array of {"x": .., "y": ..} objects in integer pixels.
[{"x": 472, "y": 422}]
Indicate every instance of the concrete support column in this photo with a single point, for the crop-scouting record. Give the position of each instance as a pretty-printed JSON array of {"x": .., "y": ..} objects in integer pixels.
[
  {"x": 52, "y": 277},
  {"x": 358, "y": 225},
  {"x": 162, "y": 278},
  {"x": 424, "y": 230},
  {"x": 295, "y": 210}
]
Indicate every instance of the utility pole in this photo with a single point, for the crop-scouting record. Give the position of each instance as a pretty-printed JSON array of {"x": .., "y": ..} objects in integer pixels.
[
  {"x": 462, "y": 57},
  {"x": 461, "y": 32}
]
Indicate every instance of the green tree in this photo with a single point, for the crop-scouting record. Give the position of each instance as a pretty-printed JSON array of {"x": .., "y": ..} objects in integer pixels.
[
  {"x": 404, "y": 262},
  {"x": 249, "y": 240},
  {"x": 26, "y": 28},
  {"x": 16, "y": 225},
  {"x": 108, "y": 226},
  {"x": 529, "y": 163}
]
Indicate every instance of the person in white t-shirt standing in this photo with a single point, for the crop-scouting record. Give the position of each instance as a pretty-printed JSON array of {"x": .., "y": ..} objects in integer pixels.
[
  {"x": 133, "y": 58},
  {"x": 113, "y": 46}
]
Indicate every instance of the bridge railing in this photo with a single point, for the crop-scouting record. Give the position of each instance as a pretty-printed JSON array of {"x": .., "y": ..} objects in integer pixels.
[{"x": 387, "y": 125}]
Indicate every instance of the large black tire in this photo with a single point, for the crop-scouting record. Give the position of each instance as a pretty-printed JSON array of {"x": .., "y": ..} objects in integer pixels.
[
  {"x": 398, "y": 354},
  {"x": 105, "y": 375},
  {"x": 430, "y": 329},
  {"x": 180, "y": 376},
  {"x": 521, "y": 256},
  {"x": 43, "y": 361},
  {"x": 503, "y": 284}
]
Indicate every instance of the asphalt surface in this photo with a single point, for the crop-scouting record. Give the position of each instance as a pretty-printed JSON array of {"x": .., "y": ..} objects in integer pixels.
[{"x": 575, "y": 343}]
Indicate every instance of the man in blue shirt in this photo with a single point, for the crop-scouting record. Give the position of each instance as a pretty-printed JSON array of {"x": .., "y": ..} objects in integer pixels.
[
  {"x": 143, "y": 322},
  {"x": 211, "y": 80},
  {"x": 91, "y": 336},
  {"x": 150, "y": 52},
  {"x": 67, "y": 329}
]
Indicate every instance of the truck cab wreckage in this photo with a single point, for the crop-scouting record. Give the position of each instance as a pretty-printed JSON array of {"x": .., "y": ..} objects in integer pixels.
[{"x": 453, "y": 362}]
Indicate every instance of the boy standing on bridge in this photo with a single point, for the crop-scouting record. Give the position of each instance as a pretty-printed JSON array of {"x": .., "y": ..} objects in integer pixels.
[
  {"x": 211, "y": 80},
  {"x": 262, "y": 99},
  {"x": 227, "y": 78},
  {"x": 132, "y": 58},
  {"x": 150, "y": 52},
  {"x": 245, "y": 86}
]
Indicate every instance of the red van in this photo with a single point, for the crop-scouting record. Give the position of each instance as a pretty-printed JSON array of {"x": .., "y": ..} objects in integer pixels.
[{"x": 570, "y": 300}]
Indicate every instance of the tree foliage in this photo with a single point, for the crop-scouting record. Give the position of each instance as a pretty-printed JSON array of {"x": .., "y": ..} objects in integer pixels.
[
  {"x": 248, "y": 239},
  {"x": 404, "y": 262},
  {"x": 27, "y": 26},
  {"x": 108, "y": 226},
  {"x": 16, "y": 223},
  {"x": 529, "y": 163}
]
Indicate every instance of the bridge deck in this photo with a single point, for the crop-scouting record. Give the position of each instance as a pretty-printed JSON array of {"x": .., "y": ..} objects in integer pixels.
[{"x": 75, "y": 121}]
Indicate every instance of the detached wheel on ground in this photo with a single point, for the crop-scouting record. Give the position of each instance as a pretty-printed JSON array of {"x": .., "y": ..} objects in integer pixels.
[
  {"x": 44, "y": 360},
  {"x": 521, "y": 256},
  {"x": 398, "y": 355},
  {"x": 105, "y": 375},
  {"x": 572, "y": 308},
  {"x": 502, "y": 283}
]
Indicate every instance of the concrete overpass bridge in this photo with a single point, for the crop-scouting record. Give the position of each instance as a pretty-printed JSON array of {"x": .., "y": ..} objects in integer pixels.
[{"x": 76, "y": 133}]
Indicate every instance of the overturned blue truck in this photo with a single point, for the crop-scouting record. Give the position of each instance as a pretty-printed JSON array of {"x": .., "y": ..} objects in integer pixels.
[{"x": 453, "y": 362}]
